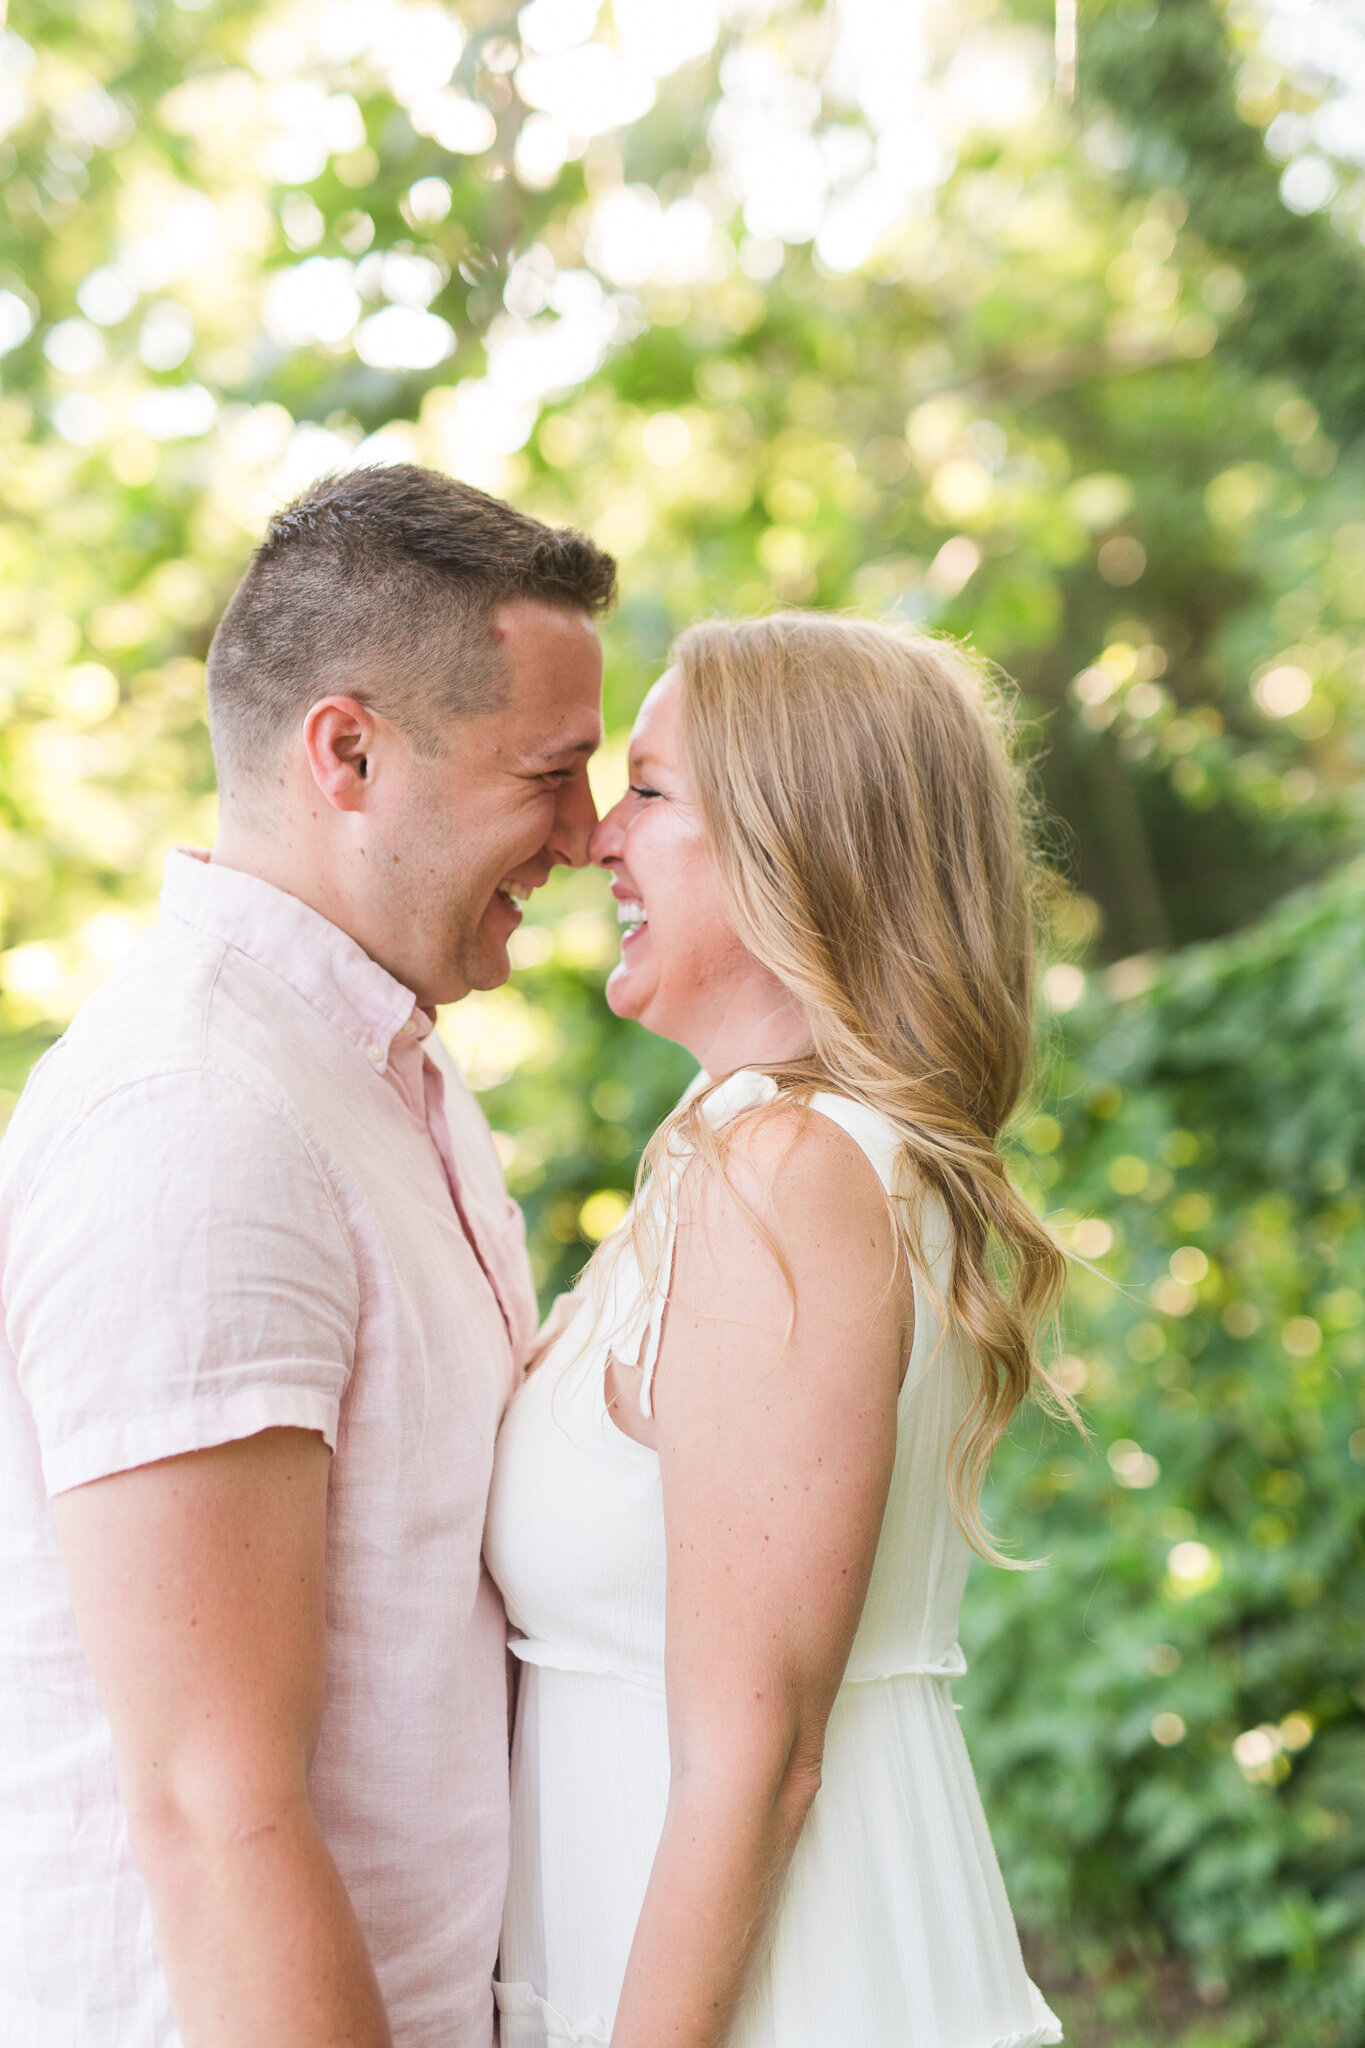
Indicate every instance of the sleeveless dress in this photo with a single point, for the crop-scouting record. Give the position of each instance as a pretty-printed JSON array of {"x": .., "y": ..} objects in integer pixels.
[{"x": 892, "y": 1929}]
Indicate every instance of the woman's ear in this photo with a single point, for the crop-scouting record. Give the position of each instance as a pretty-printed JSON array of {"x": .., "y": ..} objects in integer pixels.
[{"x": 339, "y": 735}]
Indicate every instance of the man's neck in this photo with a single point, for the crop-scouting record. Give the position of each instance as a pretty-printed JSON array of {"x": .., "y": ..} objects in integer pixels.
[{"x": 271, "y": 857}]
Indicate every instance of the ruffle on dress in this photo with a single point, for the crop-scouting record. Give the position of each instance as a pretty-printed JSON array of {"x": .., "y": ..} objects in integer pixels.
[
  {"x": 1046, "y": 2034},
  {"x": 519, "y": 2003}
]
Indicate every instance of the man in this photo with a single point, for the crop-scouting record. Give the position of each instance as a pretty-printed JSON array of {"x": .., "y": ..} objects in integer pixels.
[{"x": 263, "y": 1298}]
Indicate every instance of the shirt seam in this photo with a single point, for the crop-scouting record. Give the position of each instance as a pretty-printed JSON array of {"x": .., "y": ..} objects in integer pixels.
[{"x": 207, "y": 1006}]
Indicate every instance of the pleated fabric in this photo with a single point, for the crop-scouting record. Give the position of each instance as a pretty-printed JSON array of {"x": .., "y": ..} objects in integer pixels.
[{"x": 893, "y": 1929}]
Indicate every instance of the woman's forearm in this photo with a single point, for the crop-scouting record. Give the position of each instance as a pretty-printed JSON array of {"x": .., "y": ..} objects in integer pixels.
[{"x": 722, "y": 1856}]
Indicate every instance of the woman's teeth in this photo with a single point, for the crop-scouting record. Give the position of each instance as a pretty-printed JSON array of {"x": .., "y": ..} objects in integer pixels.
[{"x": 632, "y": 915}]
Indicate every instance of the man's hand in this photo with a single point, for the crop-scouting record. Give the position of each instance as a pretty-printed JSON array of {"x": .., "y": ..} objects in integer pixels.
[{"x": 198, "y": 1589}]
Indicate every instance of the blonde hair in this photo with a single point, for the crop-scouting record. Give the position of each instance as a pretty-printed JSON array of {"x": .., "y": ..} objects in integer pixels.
[{"x": 869, "y": 829}]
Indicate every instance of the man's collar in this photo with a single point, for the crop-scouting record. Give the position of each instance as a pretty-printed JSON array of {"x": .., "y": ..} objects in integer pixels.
[{"x": 334, "y": 975}]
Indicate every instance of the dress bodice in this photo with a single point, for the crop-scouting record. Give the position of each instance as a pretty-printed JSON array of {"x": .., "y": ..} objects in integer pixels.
[{"x": 577, "y": 1542}]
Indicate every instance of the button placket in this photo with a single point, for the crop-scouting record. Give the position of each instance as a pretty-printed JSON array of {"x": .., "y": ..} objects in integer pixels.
[{"x": 434, "y": 1092}]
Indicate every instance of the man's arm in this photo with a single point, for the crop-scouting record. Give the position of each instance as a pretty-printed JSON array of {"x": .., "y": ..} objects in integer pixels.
[{"x": 198, "y": 1590}]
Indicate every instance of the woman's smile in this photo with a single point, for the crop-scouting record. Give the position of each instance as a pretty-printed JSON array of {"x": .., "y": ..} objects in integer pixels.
[{"x": 632, "y": 917}]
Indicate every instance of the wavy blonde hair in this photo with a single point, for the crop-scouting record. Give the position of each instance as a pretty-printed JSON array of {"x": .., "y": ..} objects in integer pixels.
[{"x": 869, "y": 826}]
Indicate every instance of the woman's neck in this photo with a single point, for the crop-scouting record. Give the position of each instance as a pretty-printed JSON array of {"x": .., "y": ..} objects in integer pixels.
[{"x": 756, "y": 1028}]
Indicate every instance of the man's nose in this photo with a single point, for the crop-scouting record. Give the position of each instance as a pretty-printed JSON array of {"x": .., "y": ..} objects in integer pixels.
[
  {"x": 605, "y": 845},
  {"x": 575, "y": 822}
]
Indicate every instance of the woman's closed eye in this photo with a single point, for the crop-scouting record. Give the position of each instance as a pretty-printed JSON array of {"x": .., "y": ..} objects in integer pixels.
[{"x": 641, "y": 789}]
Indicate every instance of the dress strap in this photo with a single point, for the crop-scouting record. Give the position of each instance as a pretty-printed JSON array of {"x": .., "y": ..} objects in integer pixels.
[
  {"x": 658, "y": 1307},
  {"x": 741, "y": 1091},
  {"x": 875, "y": 1138}
]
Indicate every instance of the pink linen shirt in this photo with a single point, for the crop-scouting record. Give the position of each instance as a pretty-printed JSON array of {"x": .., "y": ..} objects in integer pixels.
[{"x": 247, "y": 1189}]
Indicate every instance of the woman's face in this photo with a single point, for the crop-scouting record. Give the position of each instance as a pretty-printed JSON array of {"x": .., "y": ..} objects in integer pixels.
[{"x": 684, "y": 973}]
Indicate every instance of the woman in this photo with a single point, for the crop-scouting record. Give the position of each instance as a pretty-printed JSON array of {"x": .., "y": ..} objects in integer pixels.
[{"x": 733, "y": 1506}]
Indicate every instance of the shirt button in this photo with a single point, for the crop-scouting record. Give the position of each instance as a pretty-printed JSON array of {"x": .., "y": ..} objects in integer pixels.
[{"x": 375, "y": 1053}]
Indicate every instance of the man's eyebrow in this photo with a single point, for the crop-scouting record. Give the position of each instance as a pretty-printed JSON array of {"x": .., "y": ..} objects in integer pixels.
[{"x": 546, "y": 757}]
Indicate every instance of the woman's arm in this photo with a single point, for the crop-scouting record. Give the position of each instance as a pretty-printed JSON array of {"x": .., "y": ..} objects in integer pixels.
[{"x": 775, "y": 1465}]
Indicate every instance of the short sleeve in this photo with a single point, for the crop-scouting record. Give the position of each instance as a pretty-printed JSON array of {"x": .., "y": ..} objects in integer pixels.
[{"x": 178, "y": 1277}]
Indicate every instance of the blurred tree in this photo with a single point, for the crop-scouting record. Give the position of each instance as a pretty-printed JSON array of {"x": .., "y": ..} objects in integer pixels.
[
  {"x": 843, "y": 310},
  {"x": 1168, "y": 74}
]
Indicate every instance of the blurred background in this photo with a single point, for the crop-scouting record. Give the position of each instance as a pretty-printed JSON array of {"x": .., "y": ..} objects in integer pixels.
[{"x": 1043, "y": 331}]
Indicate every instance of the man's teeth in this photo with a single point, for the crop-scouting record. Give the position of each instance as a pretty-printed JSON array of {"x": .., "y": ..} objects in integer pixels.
[
  {"x": 515, "y": 892},
  {"x": 631, "y": 913}
]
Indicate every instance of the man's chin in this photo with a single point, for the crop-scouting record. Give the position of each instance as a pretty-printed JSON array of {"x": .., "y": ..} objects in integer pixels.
[{"x": 489, "y": 968}]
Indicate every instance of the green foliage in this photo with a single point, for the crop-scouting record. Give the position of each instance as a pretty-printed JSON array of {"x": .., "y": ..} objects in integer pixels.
[
  {"x": 1169, "y": 1718},
  {"x": 1031, "y": 411},
  {"x": 1170, "y": 78}
]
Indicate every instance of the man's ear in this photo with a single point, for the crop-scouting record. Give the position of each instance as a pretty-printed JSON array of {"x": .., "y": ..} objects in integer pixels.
[{"x": 339, "y": 734}]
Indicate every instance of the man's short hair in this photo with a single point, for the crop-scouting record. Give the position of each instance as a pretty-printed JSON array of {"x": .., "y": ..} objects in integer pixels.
[{"x": 381, "y": 584}]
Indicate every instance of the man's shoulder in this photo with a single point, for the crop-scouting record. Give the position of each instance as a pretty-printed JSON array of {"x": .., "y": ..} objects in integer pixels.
[{"x": 153, "y": 1035}]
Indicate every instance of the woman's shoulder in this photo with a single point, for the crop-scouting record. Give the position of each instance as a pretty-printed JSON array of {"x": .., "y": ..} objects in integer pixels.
[
  {"x": 786, "y": 1236},
  {"x": 803, "y": 1152},
  {"x": 789, "y": 1128},
  {"x": 804, "y": 1158}
]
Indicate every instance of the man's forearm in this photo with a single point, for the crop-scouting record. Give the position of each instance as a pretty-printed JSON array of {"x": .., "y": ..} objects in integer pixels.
[{"x": 257, "y": 1936}]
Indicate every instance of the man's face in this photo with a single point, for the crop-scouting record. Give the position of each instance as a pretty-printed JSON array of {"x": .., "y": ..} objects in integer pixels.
[{"x": 467, "y": 836}]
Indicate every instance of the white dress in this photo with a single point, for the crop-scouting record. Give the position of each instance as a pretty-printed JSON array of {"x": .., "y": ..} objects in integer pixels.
[{"x": 893, "y": 1929}]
